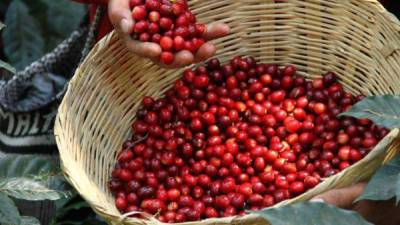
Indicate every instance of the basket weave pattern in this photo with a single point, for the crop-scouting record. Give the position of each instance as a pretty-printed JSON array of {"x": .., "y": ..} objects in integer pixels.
[{"x": 358, "y": 39}]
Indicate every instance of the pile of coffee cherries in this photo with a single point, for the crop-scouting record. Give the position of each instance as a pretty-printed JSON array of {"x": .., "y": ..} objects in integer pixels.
[
  {"x": 168, "y": 23},
  {"x": 235, "y": 137}
]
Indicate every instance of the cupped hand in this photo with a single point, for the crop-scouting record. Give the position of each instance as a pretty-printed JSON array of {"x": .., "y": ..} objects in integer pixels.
[
  {"x": 120, "y": 16},
  {"x": 376, "y": 212}
]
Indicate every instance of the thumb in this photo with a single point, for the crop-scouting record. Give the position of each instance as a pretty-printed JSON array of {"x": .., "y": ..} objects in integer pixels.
[
  {"x": 342, "y": 198},
  {"x": 120, "y": 16}
]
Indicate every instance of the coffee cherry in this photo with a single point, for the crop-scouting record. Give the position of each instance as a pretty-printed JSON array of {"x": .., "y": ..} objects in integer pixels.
[
  {"x": 155, "y": 18},
  {"x": 222, "y": 202},
  {"x": 277, "y": 97},
  {"x": 166, "y": 43},
  {"x": 296, "y": 188},
  {"x": 306, "y": 138},
  {"x": 344, "y": 153},
  {"x": 310, "y": 182},
  {"x": 139, "y": 13},
  {"x": 355, "y": 155},
  {"x": 211, "y": 212},
  {"x": 369, "y": 142},
  {"x": 233, "y": 137},
  {"x": 201, "y": 81},
  {"x": 343, "y": 165},
  {"x": 342, "y": 138},
  {"x": 167, "y": 58},
  {"x": 319, "y": 108},
  {"x": 121, "y": 204},
  {"x": 293, "y": 126}
]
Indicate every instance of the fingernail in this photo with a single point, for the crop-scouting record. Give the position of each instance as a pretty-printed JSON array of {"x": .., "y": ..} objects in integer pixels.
[
  {"x": 124, "y": 26},
  {"x": 316, "y": 200}
]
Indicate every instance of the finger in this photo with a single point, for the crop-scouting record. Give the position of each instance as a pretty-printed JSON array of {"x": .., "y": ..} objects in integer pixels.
[
  {"x": 206, "y": 51},
  {"x": 120, "y": 16},
  {"x": 216, "y": 30},
  {"x": 342, "y": 198},
  {"x": 183, "y": 58},
  {"x": 144, "y": 49}
]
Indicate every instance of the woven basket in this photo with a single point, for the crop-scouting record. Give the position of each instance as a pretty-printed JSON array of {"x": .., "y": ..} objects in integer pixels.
[{"x": 358, "y": 39}]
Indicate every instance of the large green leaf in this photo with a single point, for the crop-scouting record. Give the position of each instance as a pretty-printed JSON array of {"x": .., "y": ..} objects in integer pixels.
[
  {"x": 61, "y": 204},
  {"x": 32, "y": 178},
  {"x": 3, "y": 5},
  {"x": 3, "y": 64},
  {"x": 67, "y": 209},
  {"x": 57, "y": 19},
  {"x": 38, "y": 9},
  {"x": 27, "y": 220},
  {"x": 64, "y": 16},
  {"x": 36, "y": 27},
  {"x": 22, "y": 40},
  {"x": 27, "y": 165},
  {"x": 92, "y": 220},
  {"x": 385, "y": 184},
  {"x": 31, "y": 189},
  {"x": 9, "y": 213},
  {"x": 7, "y": 66},
  {"x": 308, "y": 213},
  {"x": 383, "y": 110}
]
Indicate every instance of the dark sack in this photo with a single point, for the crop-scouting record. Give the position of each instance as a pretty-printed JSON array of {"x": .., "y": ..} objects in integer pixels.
[
  {"x": 30, "y": 98},
  {"x": 27, "y": 132}
]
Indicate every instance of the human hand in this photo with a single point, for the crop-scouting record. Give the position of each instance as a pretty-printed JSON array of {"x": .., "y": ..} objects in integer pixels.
[
  {"x": 120, "y": 16},
  {"x": 376, "y": 212}
]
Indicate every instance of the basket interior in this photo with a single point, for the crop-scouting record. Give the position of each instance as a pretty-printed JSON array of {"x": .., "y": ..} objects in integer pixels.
[{"x": 357, "y": 39}]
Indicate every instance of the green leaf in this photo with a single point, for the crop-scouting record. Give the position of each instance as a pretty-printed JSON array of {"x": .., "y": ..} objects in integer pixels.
[
  {"x": 57, "y": 19},
  {"x": 96, "y": 220},
  {"x": 22, "y": 40},
  {"x": 27, "y": 165},
  {"x": 61, "y": 203},
  {"x": 38, "y": 10},
  {"x": 398, "y": 189},
  {"x": 71, "y": 207},
  {"x": 308, "y": 213},
  {"x": 32, "y": 178},
  {"x": 67, "y": 207},
  {"x": 30, "y": 189},
  {"x": 7, "y": 66},
  {"x": 92, "y": 220},
  {"x": 385, "y": 184},
  {"x": 9, "y": 213},
  {"x": 27, "y": 220},
  {"x": 2, "y": 25},
  {"x": 382, "y": 110},
  {"x": 65, "y": 16}
]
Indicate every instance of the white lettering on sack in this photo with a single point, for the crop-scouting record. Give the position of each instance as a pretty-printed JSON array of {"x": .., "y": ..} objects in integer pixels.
[
  {"x": 49, "y": 118},
  {"x": 22, "y": 124},
  {"x": 4, "y": 116},
  {"x": 35, "y": 126}
]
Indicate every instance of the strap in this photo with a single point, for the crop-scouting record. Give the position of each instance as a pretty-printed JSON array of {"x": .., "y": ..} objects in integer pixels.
[
  {"x": 63, "y": 60},
  {"x": 90, "y": 40}
]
